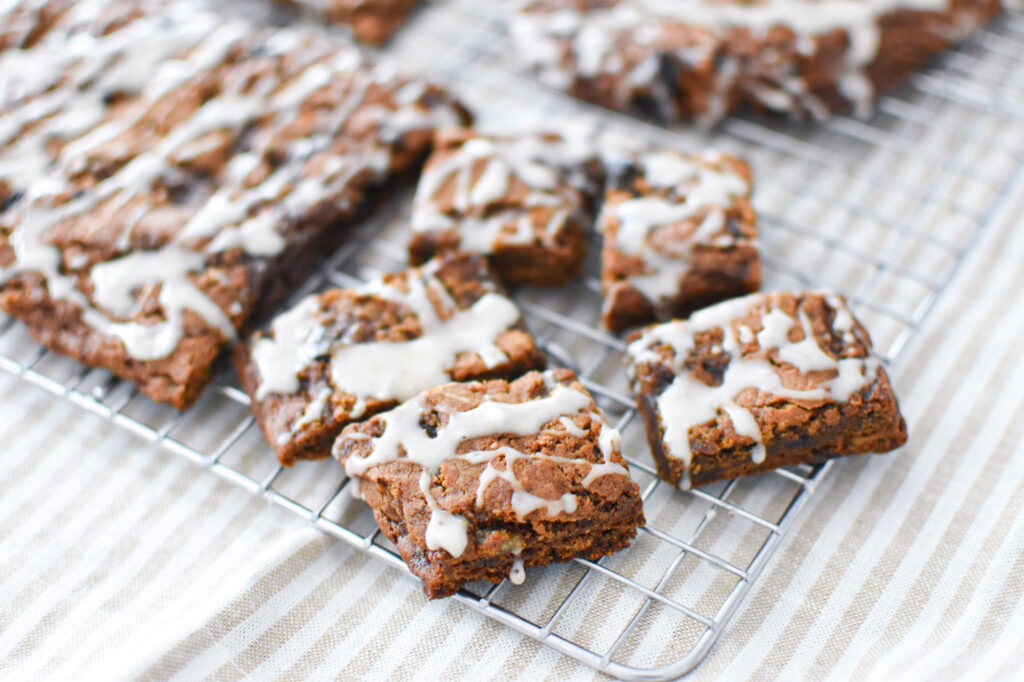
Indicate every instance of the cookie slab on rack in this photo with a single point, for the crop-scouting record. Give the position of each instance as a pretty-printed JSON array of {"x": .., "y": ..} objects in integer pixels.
[
  {"x": 479, "y": 481},
  {"x": 761, "y": 382},
  {"x": 167, "y": 174},
  {"x": 524, "y": 201},
  {"x": 373, "y": 21},
  {"x": 345, "y": 355},
  {"x": 679, "y": 234},
  {"x": 705, "y": 58}
]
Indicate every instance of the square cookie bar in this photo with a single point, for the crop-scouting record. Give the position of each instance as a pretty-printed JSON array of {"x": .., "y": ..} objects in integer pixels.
[
  {"x": 679, "y": 234},
  {"x": 166, "y": 176},
  {"x": 761, "y": 382},
  {"x": 705, "y": 58},
  {"x": 345, "y": 355},
  {"x": 521, "y": 201},
  {"x": 479, "y": 481},
  {"x": 373, "y": 21}
]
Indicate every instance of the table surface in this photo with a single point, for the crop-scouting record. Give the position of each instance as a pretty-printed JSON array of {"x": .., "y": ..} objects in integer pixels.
[{"x": 124, "y": 560}]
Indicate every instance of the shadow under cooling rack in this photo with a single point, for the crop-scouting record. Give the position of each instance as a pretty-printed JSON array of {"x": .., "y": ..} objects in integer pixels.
[{"x": 883, "y": 211}]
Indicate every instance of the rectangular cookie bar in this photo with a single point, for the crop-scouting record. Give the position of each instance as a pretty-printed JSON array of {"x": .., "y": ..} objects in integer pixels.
[
  {"x": 345, "y": 355},
  {"x": 164, "y": 177},
  {"x": 704, "y": 58},
  {"x": 761, "y": 382},
  {"x": 521, "y": 201},
  {"x": 373, "y": 21},
  {"x": 479, "y": 481},
  {"x": 679, "y": 235}
]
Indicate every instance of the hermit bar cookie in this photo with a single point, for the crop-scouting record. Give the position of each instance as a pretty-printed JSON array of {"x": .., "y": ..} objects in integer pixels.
[
  {"x": 704, "y": 58},
  {"x": 27, "y": 23},
  {"x": 761, "y": 382},
  {"x": 520, "y": 200},
  {"x": 678, "y": 235},
  {"x": 371, "y": 20},
  {"x": 478, "y": 481},
  {"x": 163, "y": 178},
  {"x": 345, "y": 355}
]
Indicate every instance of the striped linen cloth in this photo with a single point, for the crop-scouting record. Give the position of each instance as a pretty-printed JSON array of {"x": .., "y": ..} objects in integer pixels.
[{"x": 119, "y": 560}]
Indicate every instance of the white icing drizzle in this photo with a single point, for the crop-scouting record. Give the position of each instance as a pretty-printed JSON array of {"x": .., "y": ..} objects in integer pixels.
[
  {"x": 145, "y": 59},
  {"x": 565, "y": 44},
  {"x": 404, "y": 437},
  {"x": 523, "y": 501},
  {"x": 444, "y": 530},
  {"x": 688, "y": 402},
  {"x": 404, "y": 433},
  {"x": 297, "y": 339},
  {"x": 313, "y": 411},
  {"x": 537, "y": 161},
  {"x": 517, "y": 575},
  {"x": 701, "y": 187},
  {"x": 170, "y": 266},
  {"x": 571, "y": 427},
  {"x": 384, "y": 370},
  {"x": 398, "y": 371}
]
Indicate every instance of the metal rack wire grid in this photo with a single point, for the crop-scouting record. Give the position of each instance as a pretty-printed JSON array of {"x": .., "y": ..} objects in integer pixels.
[{"x": 882, "y": 210}]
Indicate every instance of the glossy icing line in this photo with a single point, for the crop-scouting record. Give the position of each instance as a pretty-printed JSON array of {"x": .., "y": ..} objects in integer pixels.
[{"x": 398, "y": 371}]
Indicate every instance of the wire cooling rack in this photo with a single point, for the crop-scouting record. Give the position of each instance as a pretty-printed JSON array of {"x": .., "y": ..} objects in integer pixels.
[{"x": 883, "y": 211}]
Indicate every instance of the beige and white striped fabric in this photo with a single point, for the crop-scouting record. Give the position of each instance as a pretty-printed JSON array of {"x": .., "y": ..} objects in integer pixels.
[{"x": 121, "y": 560}]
